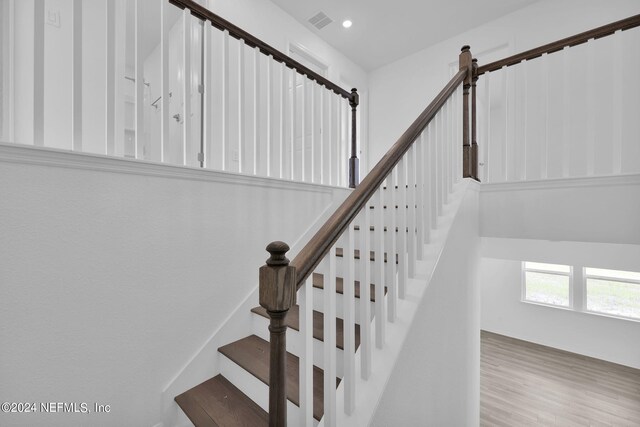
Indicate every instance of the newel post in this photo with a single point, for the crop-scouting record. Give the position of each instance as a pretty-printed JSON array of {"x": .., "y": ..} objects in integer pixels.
[
  {"x": 354, "y": 163},
  {"x": 277, "y": 295},
  {"x": 465, "y": 63}
]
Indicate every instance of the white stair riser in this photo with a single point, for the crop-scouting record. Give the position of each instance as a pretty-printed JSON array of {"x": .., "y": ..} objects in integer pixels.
[
  {"x": 294, "y": 343},
  {"x": 254, "y": 388}
]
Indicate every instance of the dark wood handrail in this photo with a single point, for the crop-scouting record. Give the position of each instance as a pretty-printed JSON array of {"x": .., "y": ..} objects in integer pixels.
[
  {"x": 311, "y": 255},
  {"x": 596, "y": 33},
  {"x": 250, "y": 40}
]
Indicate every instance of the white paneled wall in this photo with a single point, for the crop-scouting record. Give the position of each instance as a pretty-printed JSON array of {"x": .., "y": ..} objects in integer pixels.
[{"x": 571, "y": 113}]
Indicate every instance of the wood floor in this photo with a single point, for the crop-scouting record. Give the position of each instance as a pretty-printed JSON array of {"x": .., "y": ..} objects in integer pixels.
[{"x": 527, "y": 384}]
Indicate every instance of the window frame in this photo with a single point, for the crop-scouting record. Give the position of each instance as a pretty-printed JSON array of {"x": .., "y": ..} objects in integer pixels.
[
  {"x": 587, "y": 276},
  {"x": 578, "y": 295},
  {"x": 523, "y": 287}
]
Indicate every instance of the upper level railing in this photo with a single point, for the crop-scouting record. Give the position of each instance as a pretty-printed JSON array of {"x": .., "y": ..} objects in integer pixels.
[
  {"x": 565, "y": 109},
  {"x": 172, "y": 82},
  {"x": 251, "y": 41}
]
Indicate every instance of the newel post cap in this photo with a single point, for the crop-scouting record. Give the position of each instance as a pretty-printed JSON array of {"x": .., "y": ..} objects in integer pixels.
[
  {"x": 277, "y": 280},
  {"x": 354, "y": 101}
]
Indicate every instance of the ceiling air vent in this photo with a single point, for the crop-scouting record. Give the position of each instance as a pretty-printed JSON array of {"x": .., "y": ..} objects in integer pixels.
[{"x": 320, "y": 20}]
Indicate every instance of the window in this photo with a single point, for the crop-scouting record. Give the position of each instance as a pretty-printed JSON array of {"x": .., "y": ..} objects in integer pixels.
[
  {"x": 584, "y": 289},
  {"x": 613, "y": 292},
  {"x": 547, "y": 283}
]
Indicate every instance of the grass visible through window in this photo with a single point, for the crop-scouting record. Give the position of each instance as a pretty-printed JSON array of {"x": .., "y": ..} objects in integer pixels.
[
  {"x": 547, "y": 288},
  {"x": 610, "y": 297}
]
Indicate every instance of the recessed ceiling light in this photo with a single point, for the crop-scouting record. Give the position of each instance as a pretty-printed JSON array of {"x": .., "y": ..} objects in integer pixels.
[{"x": 347, "y": 23}]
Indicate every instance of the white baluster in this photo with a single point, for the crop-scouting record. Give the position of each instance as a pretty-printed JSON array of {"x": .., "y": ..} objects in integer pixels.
[
  {"x": 445, "y": 153},
  {"x": 591, "y": 109},
  {"x": 225, "y": 99},
  {"x": 329, "y": 138},
  {"x": 421, "y": 164},
  {"x": 38, "y": 74},
  {"x": 379, "y": 268},
  {"x": 241, "y": 107},
  {"x": 618, "y": 90},
  {"x": 314, "y": 88},
  {"x": 507, "y": 124},
  {"x": 292, "y": 123},
  {"x": 426, "y": 185},
  {"x": 402, "y": 225},
  {"x": 330, "y": 338},
  {"x": 411, "y": 209},
  {"x": 365, "y": 295},
  {"x": 441, "y": 162},
  {"x": 164, "y": 59},
  {"x": 338, "y": 141},
  {"x": 269, "y": 117},
  {"x": 487, "y": 129},
  {"x": 119, "y": 51},
  {"x": 517, "y": 138},
  {"x": 391, "y": 246},
  {"x": 207, "y": 82},
  {"x": 433, "y": 187},
  {"x": 305, "y": 301},
  {"x": 186, "y": 84},
  {"x": 110, "y": 98},
  {"x": 458, "y": 125},
  {"x": 349, "y": 348},
  {"x": 450, "y": 144},
  {"x": 256, "y": 109},
  {"x": 323, "y": 139},
  {"x": 139, "y": 83},
  {"x": 303, "y": 129},
  {"x": 284, "y": 95},
  {"x": 446, "y": 129}
]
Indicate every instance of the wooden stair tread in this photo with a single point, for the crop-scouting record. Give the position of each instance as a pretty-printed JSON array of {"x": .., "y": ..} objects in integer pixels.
[
  {"x": 318, "y": 282},
  {"x": 293, "y": 321},
  {"x": 217, "y": 402},
  {"x": 356, "y": 254},
  {"x": 252, "y": 354}
]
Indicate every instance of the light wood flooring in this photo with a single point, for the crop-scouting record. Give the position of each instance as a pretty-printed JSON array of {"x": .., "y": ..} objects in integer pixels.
[{"x": 528, "y": 384}]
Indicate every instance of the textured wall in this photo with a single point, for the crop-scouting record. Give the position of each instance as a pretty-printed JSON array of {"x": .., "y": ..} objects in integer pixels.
[{"x": 114, "y": 273}]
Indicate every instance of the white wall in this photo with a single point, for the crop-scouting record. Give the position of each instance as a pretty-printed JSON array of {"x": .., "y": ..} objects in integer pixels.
[
  {"x": 401, "y": 90},
  {"x": 115, "y": 273},
  {"x": 602, "y": 337},
  {"x": 436, "y": 378},
  {"x": 604, "y": 210},
  {"x": 584, "y": 222}
]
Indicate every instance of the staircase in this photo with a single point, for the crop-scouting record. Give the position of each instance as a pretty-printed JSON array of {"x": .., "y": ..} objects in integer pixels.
[
  {"x": 245, "y": 362},
  {"x": 359, "y": 281}
]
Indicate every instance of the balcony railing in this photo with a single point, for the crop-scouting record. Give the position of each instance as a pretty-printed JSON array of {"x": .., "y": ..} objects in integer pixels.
[{"x": 171, "y": 82}]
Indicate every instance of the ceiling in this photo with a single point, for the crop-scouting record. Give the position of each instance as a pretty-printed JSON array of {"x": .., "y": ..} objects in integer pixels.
[{"x": 384, "y": 31}]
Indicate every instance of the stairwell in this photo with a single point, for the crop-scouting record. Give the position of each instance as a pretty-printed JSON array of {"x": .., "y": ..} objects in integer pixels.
[{"x": 238, "y": 394}]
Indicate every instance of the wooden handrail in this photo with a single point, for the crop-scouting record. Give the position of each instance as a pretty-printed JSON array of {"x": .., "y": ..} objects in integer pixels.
[
  {"x": 250, "y": 40},
  {"x": 314, "y": 251},
  {"x": 596, "y": 33}
]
